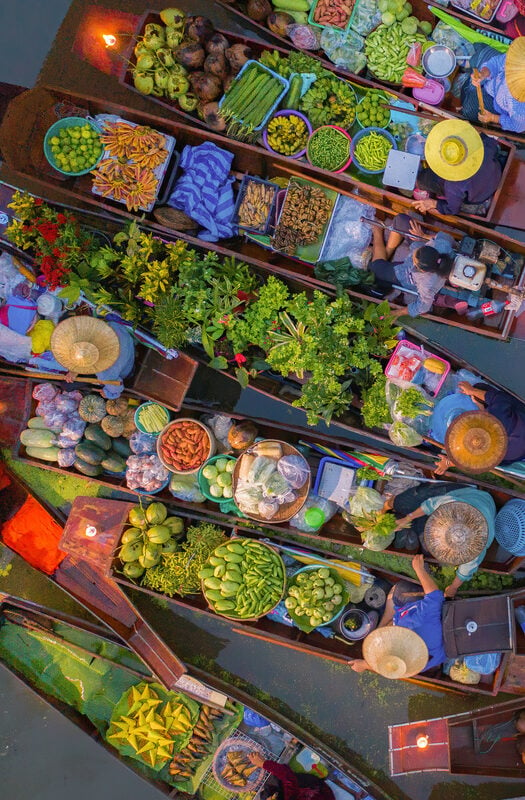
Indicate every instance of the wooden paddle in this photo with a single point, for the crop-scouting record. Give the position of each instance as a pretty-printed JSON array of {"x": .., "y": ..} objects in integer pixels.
[
  {"x": 52, "y": 376},
  {"x": 475, "y": 74}
]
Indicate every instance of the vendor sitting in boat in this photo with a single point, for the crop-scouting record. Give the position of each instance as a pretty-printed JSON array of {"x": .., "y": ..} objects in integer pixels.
[
  {"x": 291, "y": 785},
  {"x": 478, "y": 440},
  {"x": 455, "y": 526},
  {"x": 463, "y": 167},
  {"x": 409, "y": 638},
  {"x": 423, "y": 272},
  {"x": 501, "y": 77}
]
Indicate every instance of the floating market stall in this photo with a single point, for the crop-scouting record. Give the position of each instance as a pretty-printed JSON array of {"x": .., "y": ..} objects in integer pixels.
[{"x": 41, "y": 647}]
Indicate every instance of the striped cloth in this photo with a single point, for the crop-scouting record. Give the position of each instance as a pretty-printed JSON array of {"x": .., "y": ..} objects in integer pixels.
[{"x": 205, "y": 191}]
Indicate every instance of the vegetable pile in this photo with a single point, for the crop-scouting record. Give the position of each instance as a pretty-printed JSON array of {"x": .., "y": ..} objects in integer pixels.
[
  {"x": 333, "y": 13},
  {"x": 151, "y": 534},
  {"x": 154, "y": 724},
  {"x": 372, "y": 110},
  {"x": 184, "y": 446},
  {"x": 328, "y": 148},
  {"x": 305, "y": 212},
  {"x": 287, "y": 135},
  {"x": 256, "y": 203},
  {"x": 76, "y": 149},
  {"x": 412, "y": 403},
  {"x": 219, "y": 477},
  {"x": 314, "y": 597},
  {"x": 371, "y": 151},
  {"x": 267, "y": 482},
  {"x": 243, "y": 579},
  {"x": 329, "y": 101},
  {"x": 178, "y": 573},
  {"x": 152, "y": 417},
  {"x": 387, "y": 48}
]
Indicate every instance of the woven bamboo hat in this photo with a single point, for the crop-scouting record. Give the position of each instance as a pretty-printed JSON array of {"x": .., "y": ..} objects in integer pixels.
[
  {"x": 455, "y": 533},
  {"x": 515, "y": 69},
  {"x": 454, "y": 150},
  {"x": 476, "y": 441},
  {"x": 85, "y": 345},
  {"x": 395, "y": 652}
]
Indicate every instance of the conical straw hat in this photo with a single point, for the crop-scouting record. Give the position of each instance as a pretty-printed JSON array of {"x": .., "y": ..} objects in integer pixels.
[
  {"x": 454, "y": 150},
  {"x": 455, "y": 533},
  {"x": 476, "y": 441},
  {"x": 515, "y": 69},
  {"x": 395, "y": 652},
  {"x": 85, "y": 345}
]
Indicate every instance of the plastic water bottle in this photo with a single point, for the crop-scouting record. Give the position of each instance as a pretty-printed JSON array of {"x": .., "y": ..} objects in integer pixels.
[
  {"x": 488, "y": 309},
  {"x": 520, "y": 617}
]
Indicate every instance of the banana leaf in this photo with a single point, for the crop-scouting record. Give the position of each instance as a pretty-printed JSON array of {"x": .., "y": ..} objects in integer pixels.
[{"x": 468, "y": 33}]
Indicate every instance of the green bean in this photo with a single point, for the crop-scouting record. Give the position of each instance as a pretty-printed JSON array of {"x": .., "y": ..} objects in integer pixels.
[{"x": 371, "y": 151}]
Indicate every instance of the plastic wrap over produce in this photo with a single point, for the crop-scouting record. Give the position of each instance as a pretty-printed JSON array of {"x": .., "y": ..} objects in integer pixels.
[
  {"x": 348, "y": 236},
  {"x": 366, "y": 17},
  {"x": 444, "y": 34},
  {"x": 344, "y": 49}
]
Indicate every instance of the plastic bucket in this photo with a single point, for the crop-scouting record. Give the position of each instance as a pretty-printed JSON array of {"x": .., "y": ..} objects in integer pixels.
[
  {"x": 360, "y": 135},
  {"x": 139, "y": 424},
  {"x": 387, "y": 123},
  {"x": 288, "y": 113}
]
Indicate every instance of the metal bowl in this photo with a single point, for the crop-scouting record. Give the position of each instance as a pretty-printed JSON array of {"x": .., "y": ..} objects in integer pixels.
[{"x": 439, "y": 61}]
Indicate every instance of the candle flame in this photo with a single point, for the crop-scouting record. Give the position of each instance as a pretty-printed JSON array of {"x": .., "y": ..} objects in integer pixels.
[
  {"x": 422, "y": 741},
  {"x": 109, "y": 39}
]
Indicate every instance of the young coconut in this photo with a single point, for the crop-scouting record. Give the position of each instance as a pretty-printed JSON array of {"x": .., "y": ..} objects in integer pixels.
[
  {"x": 207, "y": 87},
  {"x": 237, "y": 55},
  {"x": 191, "y": 55},
  {"x": 198, "y": 28},
  {"x": 258, "y": 9},
  {"x": 215, "y": 64},
  {"x": 217, "y": 43},
  {"x": 173, "y": 17}
]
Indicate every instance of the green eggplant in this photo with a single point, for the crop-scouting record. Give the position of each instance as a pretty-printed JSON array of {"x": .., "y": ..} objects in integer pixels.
[
  {"x": 173, "y": 37},
  {"x": 141, "y": 48},
  {"x": 145, "y": 62},
  {"x": 161, "y": 77},
  {"x": 177, "y": 86},
  {"x": 173, "y": 18}
]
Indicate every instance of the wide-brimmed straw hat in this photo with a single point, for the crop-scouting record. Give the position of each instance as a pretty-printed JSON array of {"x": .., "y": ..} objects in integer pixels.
[
  {"x": 456, "y": 533},
  {"x": 476, "y": 441},
  {"x": 454, "y": 150},
  {"x": 515, "y": 69},
  {"x": 85, "y": 345},
  {"x": 395, "y": 652}
]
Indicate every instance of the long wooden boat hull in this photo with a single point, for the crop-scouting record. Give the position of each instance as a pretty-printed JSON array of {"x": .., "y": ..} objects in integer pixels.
[
  {"x": 65, "y": 630},
  {"x": 335, "y": 530},
  {"x": 480, "y": 742}
]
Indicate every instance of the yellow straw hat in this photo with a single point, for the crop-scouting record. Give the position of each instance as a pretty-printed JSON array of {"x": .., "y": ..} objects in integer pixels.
[
  {"x": 85, "y": 345},
  {"x": 515, "y": 69},
  {"x": 456, "y": 533},
  {"x": 476, "y": 441},
  {"x": 395, "y": 652},
  {"x": 454, "y": 150}
]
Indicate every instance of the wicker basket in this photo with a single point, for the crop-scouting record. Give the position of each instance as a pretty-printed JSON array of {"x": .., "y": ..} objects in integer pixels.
[
  {"x": 287, "y": 510},
  {"x": 219, "y": 760}
]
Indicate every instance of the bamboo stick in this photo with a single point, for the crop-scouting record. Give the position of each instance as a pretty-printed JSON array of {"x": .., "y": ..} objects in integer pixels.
[{"x": 52, "y": 376}]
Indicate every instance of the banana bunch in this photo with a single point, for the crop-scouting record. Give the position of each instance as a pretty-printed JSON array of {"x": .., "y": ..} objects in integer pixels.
[
  {"x": 149, "y": 727},
  {"x": 183, "y": 764},
  {"x": 238, "y": 768},
  {"x": 287, "y": 135},
  {"x": 256, "y": 205}
]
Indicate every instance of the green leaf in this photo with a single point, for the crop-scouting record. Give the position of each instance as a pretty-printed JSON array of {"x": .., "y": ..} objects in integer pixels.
[
  {"x": 70, "y": 293},
  {"x": 260, "y": 364},
  {"x": 207, "y": 343},
  {"x": 219, "y": 362},
  {"x": 242, "y": 376}
]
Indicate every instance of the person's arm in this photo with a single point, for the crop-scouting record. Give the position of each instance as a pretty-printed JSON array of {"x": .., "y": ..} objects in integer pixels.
[
  {"x": 454, "y": 197},
  {"x": 472, "y": 391},
  {"x": 282, "y": 772},
  {"x": 452, "y": 588},
  {"x": 427, "y": 582},
  {"x": 406, "y": 521},
  {"x": 358, "y": 665}
]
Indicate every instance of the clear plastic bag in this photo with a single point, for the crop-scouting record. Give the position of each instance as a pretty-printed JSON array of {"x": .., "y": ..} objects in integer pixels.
[
  {"x": 66, "y": 404},
  {"x": 186, "y": 488},
  {"x": 74, "y": 426},
  {"x": 366, "y": 16},
  {"x": 404, "y": 436},
  {"x": 313, "y": 501},
  {"x": 44, "y": 392},
  {"x": 294, "y": 469},
  {"x": 276, "y": 486},
  {"x": 45, "y": 407},
  {"x": 66, "y": 457},
  {"x": 55, "y": 419},
  {"x": 142, "y": 443},
  {"x": 305, "y": 37},
  {"x": 268, "y": 508},
  {"x": 422, "y": 422},
  {"x": 349, "y": 236},
  {"x": 375, "y": 541},
  {"x": 365, "y": 501},
  {"x": 344, "y": 49}
]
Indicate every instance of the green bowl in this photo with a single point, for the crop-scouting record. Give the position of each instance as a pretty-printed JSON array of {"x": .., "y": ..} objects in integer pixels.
[
  {"x": 54, "y": 130},
  {"x": 138, "y": 424},
  {"x": 301, "y": 622},
  {"x": 204, "y": 484}
]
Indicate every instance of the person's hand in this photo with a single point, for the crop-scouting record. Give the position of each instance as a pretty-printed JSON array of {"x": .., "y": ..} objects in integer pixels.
[
  {"x": 450, "y": 591},
  {"x": 70, "y": 377},
  {"x": 416, "y": 229},
  {"x": 487, "y": 117},
  {"x": 402, "y": 523},
  {"x": 482, "y": 75},
  {"x": 418, "y": 564},
  {"x": 256, "y": 759},
  {"x": 398, "y": 312},
  {"x": 465, "y": 388},
  {"x": 425, "y": 205},
  {"x": 358, "y": 665},
  {"x": 442, "y": 464}
]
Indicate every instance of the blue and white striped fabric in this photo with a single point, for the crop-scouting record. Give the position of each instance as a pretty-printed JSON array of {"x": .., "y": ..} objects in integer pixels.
[{"x": 205, "y": 191}]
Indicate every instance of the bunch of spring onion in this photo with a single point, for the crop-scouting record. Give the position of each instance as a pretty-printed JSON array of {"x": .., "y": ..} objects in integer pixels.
[{"x": 249, "y": 99}]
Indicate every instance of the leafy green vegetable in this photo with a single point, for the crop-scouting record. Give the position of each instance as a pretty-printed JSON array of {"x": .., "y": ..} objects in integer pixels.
[
  {"x": 412, "y": 403},
  {"x": 375, "y": 410}
]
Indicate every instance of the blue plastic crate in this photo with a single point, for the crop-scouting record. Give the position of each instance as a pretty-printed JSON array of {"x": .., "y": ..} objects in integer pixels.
[{"x": 285, "y": 84}]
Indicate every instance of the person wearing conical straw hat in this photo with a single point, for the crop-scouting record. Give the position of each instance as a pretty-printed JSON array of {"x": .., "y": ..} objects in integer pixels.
[
  {"x": 463, "y": 168},
  {"x": 502, "y": 81},
  {"x": 90, "y": 346},
  {"x": 409, "y": 638}
]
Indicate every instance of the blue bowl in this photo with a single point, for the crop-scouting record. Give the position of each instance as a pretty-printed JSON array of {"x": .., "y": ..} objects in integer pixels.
[{"x": 359, "y": 135}]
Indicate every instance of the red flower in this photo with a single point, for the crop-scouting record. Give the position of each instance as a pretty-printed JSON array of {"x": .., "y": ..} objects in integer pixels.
[
  {"x": 239, "y": 359},
  {"x": 62, "y": 219},
  {"x": 242, "y": 295},
  {"x": 38, "y": 201}
]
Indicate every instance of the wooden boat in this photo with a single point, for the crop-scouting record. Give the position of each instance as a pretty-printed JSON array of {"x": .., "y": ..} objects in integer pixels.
[
  {"x": 336, "y": 530},
  {"x": 480, "y": 742},
  {"x": 37, "y": 175},
  {"x": 108, "y": 518},
  {"x": 423, "y": 11},
  {"x": 85, "y": 641}
]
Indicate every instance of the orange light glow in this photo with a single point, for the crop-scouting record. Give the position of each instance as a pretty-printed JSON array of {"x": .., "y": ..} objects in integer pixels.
[
  {"x": 109, "y": 39},
  {"x": 422, "y": 741}
]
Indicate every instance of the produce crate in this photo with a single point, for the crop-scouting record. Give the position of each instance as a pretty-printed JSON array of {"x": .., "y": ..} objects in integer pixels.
[
  {"x": 406, "y": 348},
  {"x": 283, "y": 81},
  {"x": 490, "y": 7},
  {"x": 311, "y": 20},
  {"x": 247, "y": 179},
  {"x": 335, "y": 481},
  {"x": 159, "y": 171},
  {"x": 310, "y": 253}
]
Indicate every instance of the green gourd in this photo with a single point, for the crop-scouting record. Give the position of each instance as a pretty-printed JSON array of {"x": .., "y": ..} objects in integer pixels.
[
  {"x": 37, "y": 438},
  {"x": 113, "y": 462},
  {"x": 43, "y": 453},
  {"x": 89, "y": 452},
  {"x": 95, "y": 434}
]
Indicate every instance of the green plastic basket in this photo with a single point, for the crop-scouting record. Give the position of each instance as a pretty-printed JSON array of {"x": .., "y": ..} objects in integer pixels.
[
  {"x": 227, "y": 504},
  {"x": 56, "y": 127},
  {"x": 139, "y": 424}
]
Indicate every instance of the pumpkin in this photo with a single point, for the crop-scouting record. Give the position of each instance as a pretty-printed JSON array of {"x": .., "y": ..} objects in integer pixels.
[
  {"x": 129, "y": 422},
  {"x": 117, "y": 407},
  {"x": 113, "y": 426},
  {"x": 92, "y": 408}
]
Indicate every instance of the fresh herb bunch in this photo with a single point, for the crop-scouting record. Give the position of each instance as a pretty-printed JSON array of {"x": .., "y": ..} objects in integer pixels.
[
  {"x": 297, "y": 62},
  {"x": 178, "y": 573},
  {"x": 329, "y": 101},
  {"x": 411, "y": 403},
  {"x": 377, "y": 522},
  {"x": 375, "y": 410},
  {"x": 367, "y": 474}
]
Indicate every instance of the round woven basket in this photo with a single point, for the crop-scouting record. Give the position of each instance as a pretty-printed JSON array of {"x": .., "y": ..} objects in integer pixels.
[
  {"x": 219, "y": 761},
  {"x": 287, "y": 510}
]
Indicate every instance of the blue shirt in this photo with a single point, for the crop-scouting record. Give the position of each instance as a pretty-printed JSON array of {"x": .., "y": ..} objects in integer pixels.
[
  {"x": 124, "y": 363},
  {"x": 511, "y": 111},
  {"x": 511, "y": 413},
  {"x": 484, "y": 503},
  {"x": 424, "y": 618},
  {"x": 426, "y": 284}
]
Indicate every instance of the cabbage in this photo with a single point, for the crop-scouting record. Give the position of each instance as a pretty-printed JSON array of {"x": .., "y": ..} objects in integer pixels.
[
  {"x": 404, "y": 436},
  {"x": 365, "y": 501}
]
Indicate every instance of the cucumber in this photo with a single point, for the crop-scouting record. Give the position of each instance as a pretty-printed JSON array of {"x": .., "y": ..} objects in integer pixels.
[
  {"x": 293, "y": 96},
  {"x": 37, "y": 422},
  {"x": 91, "y": 470}
]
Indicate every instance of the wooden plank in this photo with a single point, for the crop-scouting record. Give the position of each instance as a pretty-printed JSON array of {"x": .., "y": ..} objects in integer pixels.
[
  {"x": 509, "y": 209},
  {"x": 164, "y": 380},
  {"x": 514, "y": 680}
]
